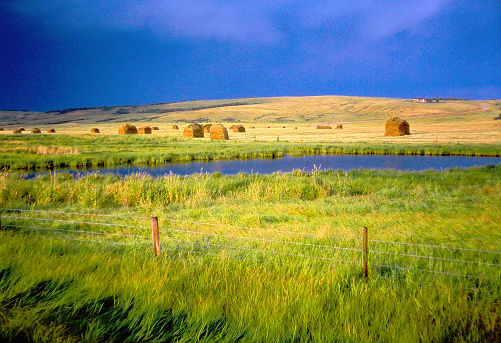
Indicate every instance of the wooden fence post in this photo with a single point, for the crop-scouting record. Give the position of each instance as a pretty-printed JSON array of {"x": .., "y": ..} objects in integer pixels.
[
  {"x": 155, "y": 236},
  {"x": 364, "y": 253}
]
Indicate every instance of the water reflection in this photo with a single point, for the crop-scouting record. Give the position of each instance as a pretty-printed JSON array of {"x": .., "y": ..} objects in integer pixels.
[{"x": 304, "y": 163}]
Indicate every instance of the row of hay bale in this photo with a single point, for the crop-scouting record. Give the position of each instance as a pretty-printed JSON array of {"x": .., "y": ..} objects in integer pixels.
[
  {"x": 128, "y": 129},
  {"x": 216, "y": 132},
  {"x": 34, "y": 130},
  {"x": 328, "y": 127},
  {"x": 395, "y": 126}
]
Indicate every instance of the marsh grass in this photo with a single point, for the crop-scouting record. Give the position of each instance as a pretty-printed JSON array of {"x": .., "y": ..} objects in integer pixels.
[
  {"x": 63, "y": 151},
  {"x": 54, "y": 289}
]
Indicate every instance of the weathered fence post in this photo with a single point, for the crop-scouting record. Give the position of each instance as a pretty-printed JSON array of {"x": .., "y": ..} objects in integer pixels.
[
  {"x": 364, "y": 253},
  {"x": 155, "y": 236}
]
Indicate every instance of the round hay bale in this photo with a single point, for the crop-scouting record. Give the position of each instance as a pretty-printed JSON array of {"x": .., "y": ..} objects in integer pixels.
[
  {"x": 231, "y": 127},
  {"x": 21, "y": 129},
  {"x": 396, "y": 127},
  {"x": 144, "y": 130},
  {"x": 219, "y": 132},
  {"x": 193, "y": 130},
  {"x": 1, "y": 128},
  {"x": 155, "y": 128},
  {"x": 324, "y": 127},
  {"x": 283, "y": 127},
  {"x": 36, "y": 130},
  {"x": 94, "y": 130},
  {"x": 238, "y": 128},
  {"x": 17, "y": 131},
  {"x": 127, "y": 129},
  {"x": 51, "y": 130},
  {"x": 207, "y": 128},
  {"x": 339, "y": 126},
  {"x": 175, "y": 127},
  {"x": 295, "y": 127}
]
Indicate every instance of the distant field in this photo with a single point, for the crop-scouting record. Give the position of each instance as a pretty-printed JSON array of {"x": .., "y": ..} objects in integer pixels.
[{"x": 289, "y": 119}]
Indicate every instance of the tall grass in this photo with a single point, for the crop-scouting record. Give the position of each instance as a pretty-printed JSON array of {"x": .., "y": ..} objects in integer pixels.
[{"x": 67, "y": 291}]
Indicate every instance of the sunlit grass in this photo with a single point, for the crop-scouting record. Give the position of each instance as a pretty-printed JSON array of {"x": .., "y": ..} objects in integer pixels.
[{"x": 59, "y": 290}]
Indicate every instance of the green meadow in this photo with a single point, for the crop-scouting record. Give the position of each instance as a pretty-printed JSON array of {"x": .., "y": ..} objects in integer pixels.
[{"x": 66, "y": 286}]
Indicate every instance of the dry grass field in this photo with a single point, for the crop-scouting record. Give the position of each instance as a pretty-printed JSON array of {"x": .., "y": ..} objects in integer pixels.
[{"x": 291, "y": 119}]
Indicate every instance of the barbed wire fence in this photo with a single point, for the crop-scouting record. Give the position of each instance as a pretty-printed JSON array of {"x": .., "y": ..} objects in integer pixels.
[{"x": 255, "y": 244}]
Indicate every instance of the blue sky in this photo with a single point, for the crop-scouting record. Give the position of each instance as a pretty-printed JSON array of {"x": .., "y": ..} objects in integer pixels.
[{"x": 57, "y": 54}]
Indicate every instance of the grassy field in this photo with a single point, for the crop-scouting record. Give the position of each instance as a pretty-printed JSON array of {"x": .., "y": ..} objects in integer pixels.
[
  {"x": 251, "y": 258},
  {"x": 202, "y": 289}
]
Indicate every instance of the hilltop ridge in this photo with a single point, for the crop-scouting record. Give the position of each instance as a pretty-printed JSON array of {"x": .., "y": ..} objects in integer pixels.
[{"x": 310, "y": 109}]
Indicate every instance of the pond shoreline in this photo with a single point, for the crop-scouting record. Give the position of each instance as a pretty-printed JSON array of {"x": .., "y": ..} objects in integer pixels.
[{"x": 288, "y": 163}]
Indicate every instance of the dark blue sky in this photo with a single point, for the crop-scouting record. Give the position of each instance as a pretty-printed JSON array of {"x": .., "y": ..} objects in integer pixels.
[{"x": 56, "y": 54}]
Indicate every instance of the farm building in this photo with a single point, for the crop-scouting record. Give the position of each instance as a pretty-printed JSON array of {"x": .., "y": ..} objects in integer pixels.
[{"x": 419, "y": 99}]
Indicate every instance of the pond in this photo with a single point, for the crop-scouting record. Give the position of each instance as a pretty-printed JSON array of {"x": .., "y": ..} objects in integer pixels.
[{"x": 304, "y": 163}]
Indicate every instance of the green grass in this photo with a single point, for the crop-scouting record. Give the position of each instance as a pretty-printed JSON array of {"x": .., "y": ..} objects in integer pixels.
[
  {"x": 60, "y": 290},
  {"x": 78, "y": 151}
]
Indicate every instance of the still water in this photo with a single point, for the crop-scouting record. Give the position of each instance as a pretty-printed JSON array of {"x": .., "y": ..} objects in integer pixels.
[{"x": 304, "y": 163}]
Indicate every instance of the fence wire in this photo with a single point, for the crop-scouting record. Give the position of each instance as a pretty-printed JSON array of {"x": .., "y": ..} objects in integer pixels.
[
  {"x": 167, "y": 240},
  {"x": 434, "y": 272},
  {"x": 268, "y": 251},
  {"x": 435, "y": 246},
  {"x": 434, "y": 258},
  {"x": 258, "y": 229}
]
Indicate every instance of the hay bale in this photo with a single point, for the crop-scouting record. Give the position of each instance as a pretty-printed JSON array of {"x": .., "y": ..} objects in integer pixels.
[
  {"x": 339, "y": 126},
  {"x": 127, "y": 129},
  {"x": 21, "y": 129},
  {"x": 51, "y": 130},
  {"x": 36, "y": 130},
  {"x": 231, "y": 127},
  {"x": 219, "y": 132},
  {"x": 324, "y": 127},
  {"x": 1, "y": 128},
  {"x": 283, "y": 127},
  {"x": 194, "y": 130},
  {"x": 144, "y": 130},
  {"x": 295, "y": 127},
  {"x": 155, "y": 128},
  {"x": 94, "y": 130},
  {"x": 17, "y": 131},
  {"x": 396, "y": 127},
  {"x": 207, "y": 128},
  {"x": 175, "y": 127},
  {"x": 238, "y": 128}
]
